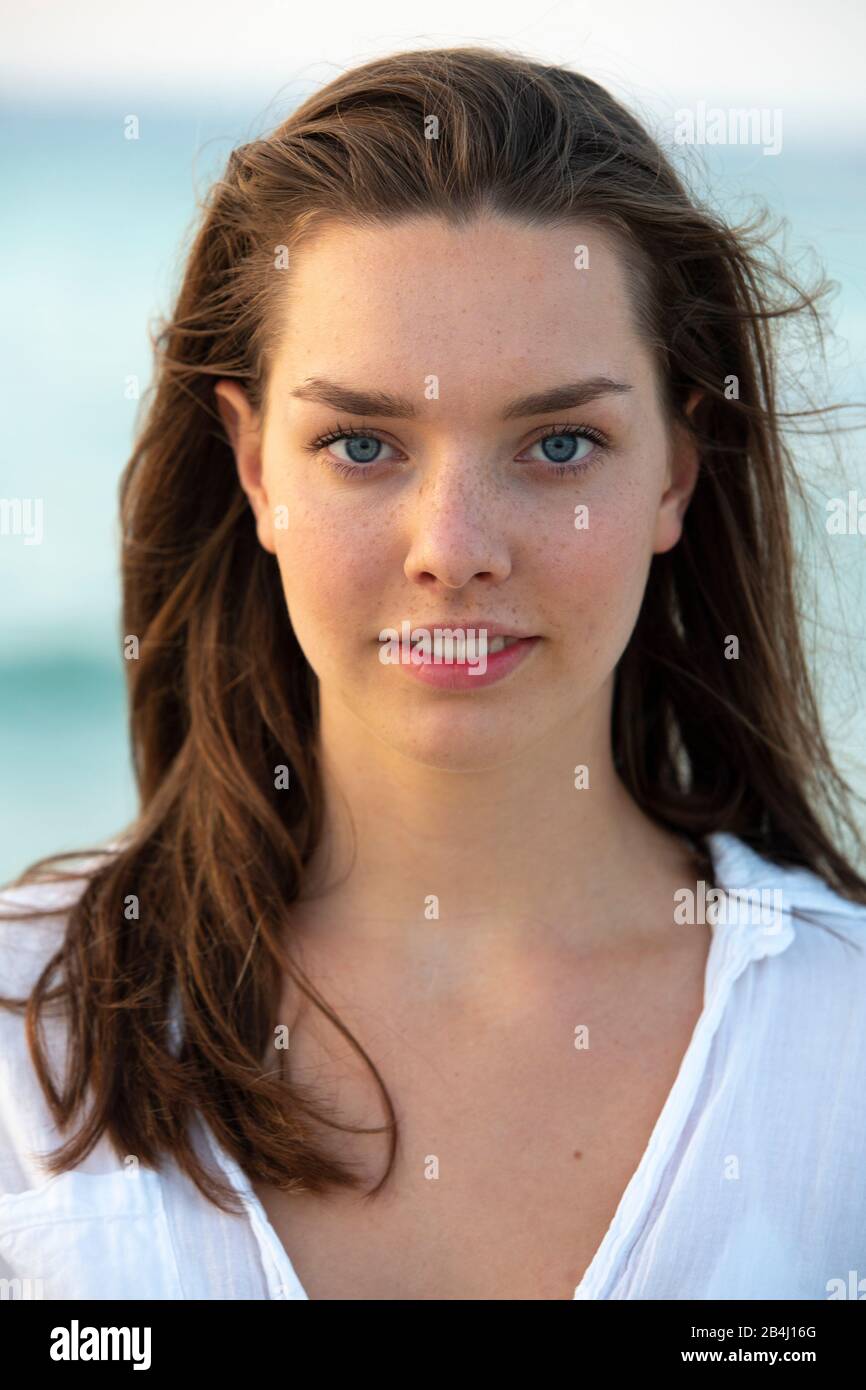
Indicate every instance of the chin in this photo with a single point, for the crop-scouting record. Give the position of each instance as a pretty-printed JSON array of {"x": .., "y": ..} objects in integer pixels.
[{"x": 457, "y": 735}]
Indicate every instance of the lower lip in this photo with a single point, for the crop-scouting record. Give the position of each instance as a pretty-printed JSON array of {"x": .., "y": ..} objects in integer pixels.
[{"x": 463, "y": 675}]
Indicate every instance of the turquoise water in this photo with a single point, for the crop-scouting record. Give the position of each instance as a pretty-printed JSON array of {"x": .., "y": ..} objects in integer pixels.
[
  {"x": 67, "y": 780},
  {"x": 90, "y": 245}
]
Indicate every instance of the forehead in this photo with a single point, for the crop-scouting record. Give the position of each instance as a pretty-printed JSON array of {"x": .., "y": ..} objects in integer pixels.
[{"x": 415, "y": 295}]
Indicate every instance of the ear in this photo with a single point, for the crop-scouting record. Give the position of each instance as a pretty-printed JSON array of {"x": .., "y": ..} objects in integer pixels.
[
  {"x": 243, "y": 428},
  {"x": 682, "y": 475}
]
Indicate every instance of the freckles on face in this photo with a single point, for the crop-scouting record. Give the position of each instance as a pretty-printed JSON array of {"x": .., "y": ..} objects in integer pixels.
[
  {"x": 331, "y": 563},
  {"x": 484, "y": 316},
  {"x": 595, "y": 574}
]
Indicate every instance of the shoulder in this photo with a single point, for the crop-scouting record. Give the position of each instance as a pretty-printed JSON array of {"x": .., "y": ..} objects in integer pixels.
[
  {"x": 27, "y": 944},
  {"x": 34, "y": 915},
  {"x": 799, "y": 892},
  {"x": 817, "y": 935},
  {"x": 47, "y": 896},
  {"x": 791, "y": 1054}
]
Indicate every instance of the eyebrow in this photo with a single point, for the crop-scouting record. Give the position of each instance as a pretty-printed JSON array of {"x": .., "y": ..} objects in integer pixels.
[{"x": 356, "y": 401}]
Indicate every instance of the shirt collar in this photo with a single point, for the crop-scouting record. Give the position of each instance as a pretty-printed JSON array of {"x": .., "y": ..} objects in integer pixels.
[{"x": 763, "y": 898}]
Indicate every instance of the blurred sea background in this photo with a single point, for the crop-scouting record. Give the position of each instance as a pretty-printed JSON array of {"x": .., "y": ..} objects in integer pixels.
[{"x": 91, "y": 247}]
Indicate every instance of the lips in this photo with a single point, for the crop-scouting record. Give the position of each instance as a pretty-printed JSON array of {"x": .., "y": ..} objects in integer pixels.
[
  {"x": 450, "y": 671},
  {"x": 451, "y": 643}
]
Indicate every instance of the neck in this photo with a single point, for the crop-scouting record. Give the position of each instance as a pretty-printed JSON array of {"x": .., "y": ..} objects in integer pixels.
[{"x": 494, "y": 853}]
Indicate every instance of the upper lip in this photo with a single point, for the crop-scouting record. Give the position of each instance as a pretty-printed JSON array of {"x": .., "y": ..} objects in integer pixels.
[{"x": 465, "y": 624}]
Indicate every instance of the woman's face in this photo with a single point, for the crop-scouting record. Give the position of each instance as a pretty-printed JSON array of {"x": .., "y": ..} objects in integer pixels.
[{"x": 456, "y": 509}]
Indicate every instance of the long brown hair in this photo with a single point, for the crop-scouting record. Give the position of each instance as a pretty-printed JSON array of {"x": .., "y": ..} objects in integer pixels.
[{"x": 220, "y": 693}]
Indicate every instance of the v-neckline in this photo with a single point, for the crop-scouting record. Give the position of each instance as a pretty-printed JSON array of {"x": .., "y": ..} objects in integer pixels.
[
  {"x": 730, "y": 951},
  {"x": 732, "y": 947},
  {"x": 644, "y": 1182}
]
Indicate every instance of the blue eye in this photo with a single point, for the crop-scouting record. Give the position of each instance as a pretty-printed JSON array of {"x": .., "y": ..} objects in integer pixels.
[
  {"x": 364, "y": 448},
  {"x": 361, "y": 448},
  {"x": 562, "y": 442}
]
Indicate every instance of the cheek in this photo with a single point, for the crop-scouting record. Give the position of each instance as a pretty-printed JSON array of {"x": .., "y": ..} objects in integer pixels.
[
  {"x": 604, "y": 568},
  {"x": 329, "y": 577}
]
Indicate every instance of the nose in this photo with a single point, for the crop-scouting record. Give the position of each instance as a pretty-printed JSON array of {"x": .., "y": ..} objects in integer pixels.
[{"x": 458, "y": 528}]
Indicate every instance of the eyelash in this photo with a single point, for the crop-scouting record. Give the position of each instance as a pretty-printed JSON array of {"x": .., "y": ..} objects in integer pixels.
[{"x": 350, "y": 470}]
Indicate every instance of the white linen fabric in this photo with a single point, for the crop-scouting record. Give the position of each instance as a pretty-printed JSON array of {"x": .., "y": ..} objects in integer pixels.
[{"x": 751, "y": 1186}]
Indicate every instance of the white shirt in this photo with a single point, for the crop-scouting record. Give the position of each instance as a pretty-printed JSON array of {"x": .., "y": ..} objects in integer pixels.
[{"x": 752, "y": 1185}]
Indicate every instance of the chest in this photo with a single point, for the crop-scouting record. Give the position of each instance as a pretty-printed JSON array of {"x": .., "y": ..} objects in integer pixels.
[{"x": 519, "y": 1131}]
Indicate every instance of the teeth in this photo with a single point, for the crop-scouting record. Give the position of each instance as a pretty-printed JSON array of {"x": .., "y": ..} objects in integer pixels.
[
  {"x": 448, "y": 648},
  {"x": 454, "y": 648}
]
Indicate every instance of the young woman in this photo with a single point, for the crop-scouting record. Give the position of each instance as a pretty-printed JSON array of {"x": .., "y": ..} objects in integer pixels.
[{"x": 519, "y": 963}]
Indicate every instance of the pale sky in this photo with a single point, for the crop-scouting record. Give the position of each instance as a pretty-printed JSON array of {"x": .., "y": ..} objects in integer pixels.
[{"x": 803, "y": 57}]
